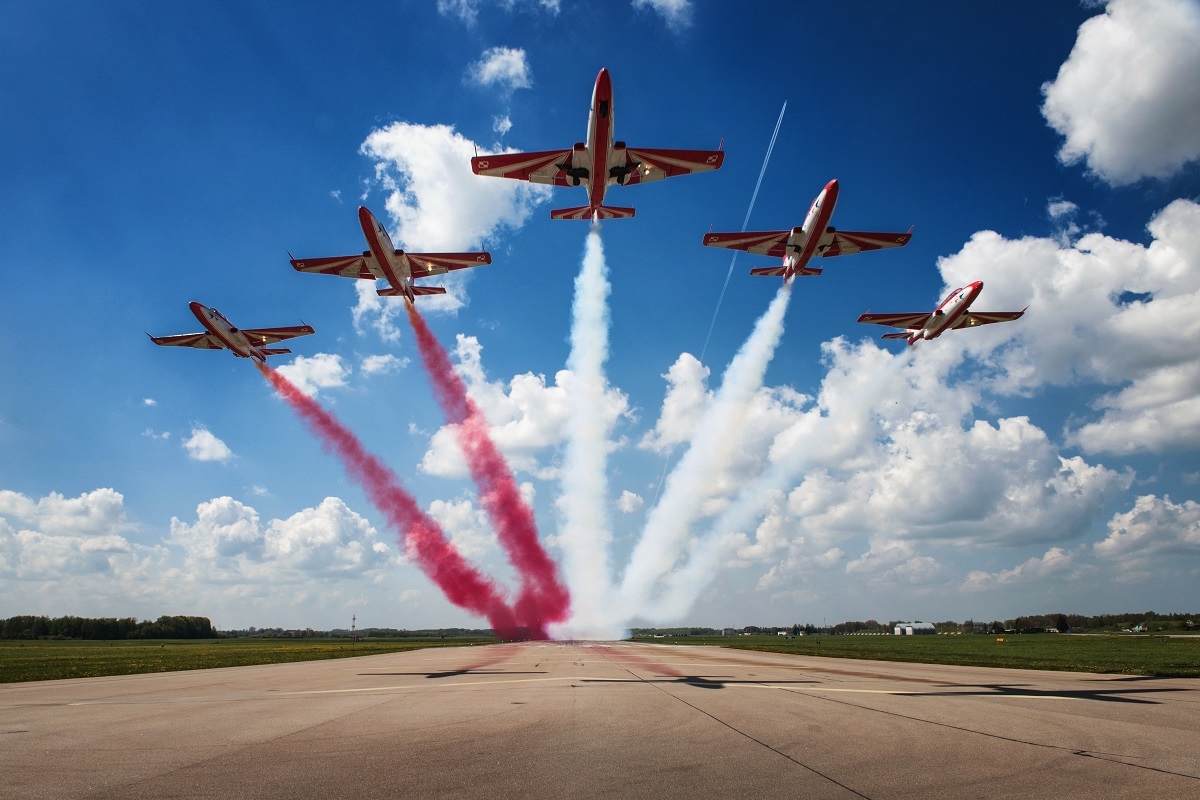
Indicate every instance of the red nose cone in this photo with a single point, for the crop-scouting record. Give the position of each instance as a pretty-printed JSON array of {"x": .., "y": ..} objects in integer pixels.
[
  {"x": 365, "y": 217},
  {"x": 831, "y": 191},
  {"x": 603, "y": 86}
]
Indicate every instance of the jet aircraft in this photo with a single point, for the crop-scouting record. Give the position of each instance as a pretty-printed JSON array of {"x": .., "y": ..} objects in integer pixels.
[
  {"x": 383, "y": 260},
  {"x": 950, "y": 314},
  {"x": 598, "y": 163},
  {"x": 816, "y": 237},
  {"x": 220, "y": 334}
]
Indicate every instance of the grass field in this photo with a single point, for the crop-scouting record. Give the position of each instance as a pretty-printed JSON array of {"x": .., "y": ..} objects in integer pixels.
[
  {"x": 48, "y": 660},
  {"x": 1123, "y": 654}
]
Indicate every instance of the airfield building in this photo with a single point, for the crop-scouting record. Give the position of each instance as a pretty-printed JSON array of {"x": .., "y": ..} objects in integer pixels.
[{"x": 914, "y": 628}]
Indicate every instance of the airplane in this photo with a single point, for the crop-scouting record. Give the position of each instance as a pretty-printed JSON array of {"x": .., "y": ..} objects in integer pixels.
[
  {"x": 950, "y": 314},
  {"x": 816, "y": 237},
  {"x": 598, "y": 163},
  {"x": 221, "y": 334},
  {"x": 383, "y": 260}
]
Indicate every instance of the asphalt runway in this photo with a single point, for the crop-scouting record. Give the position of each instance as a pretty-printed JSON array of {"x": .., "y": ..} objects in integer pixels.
[{"x": 601, "y": 720}]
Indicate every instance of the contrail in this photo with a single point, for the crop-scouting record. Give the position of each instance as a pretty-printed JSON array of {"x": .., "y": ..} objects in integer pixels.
[
  {"x": 543, "y": 599},
  {"x": 420, "y": 535},
  {"x": 711, "y": 449},
  {"x": 586, "y": 534},
  {"x": 684, "y": 586}
]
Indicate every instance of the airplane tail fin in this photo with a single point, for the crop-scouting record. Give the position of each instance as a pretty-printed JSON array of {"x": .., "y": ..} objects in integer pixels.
[{"x": 587, "y": 212}]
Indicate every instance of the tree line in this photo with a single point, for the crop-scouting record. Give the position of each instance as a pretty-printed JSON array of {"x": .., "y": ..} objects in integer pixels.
[{"x": 173, "y": 627}]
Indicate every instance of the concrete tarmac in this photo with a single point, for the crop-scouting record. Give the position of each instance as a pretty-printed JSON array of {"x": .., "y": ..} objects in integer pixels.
[{"x": 601, "y": 720}]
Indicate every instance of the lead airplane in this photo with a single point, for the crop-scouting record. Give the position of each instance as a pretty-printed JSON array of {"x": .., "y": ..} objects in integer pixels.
[
  {"x": 598, "y": 163},
  {"x": 221, "y": 334},
  {"x": 951, "y": 314},
  {"x": 816, "y": 237},
  {"x": 383, "y": 260}
]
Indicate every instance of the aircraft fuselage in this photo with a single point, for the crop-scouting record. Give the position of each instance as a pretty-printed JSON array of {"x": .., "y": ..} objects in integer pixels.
[
  {"x": 216, "y": 324},
  {"x": 947, "y": 313},
  {"x": 395, "y": 268},
  {"x": 803, "y": 243}
]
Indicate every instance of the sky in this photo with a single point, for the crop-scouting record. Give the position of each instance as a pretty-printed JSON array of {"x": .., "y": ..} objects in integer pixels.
[{"x": 155, "y": 156}]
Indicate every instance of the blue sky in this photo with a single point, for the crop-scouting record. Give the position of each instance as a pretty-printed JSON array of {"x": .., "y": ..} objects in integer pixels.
[{"x": 158, "y": 156}]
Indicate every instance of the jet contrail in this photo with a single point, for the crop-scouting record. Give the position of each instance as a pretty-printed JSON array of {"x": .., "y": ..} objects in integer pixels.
[
  {"x": 711, "y": 449},
  {"x": 684, "y": 586},
  {"x": 585, "y": 534},
  {"x": 543, "y": 599},
  {"x": 420, "y": 534}
]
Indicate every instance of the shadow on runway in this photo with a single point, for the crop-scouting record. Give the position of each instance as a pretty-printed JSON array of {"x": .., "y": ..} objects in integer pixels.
[
  {"x": 454, "y": 673},
  {"x": 1020, "y": 690},
  {"x": 699, "y": 681}
]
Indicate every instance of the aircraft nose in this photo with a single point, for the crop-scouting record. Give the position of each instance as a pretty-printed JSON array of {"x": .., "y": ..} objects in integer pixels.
[
  {"x": 603, "y": 85},
  {"x": 197, "y": 308},
  {"x": 831, "y": 190}
]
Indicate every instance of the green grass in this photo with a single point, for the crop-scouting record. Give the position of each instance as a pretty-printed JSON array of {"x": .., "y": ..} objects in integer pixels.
[
  {"x": 1123, "y": 654},
  {"x": 49, "y": 660}
]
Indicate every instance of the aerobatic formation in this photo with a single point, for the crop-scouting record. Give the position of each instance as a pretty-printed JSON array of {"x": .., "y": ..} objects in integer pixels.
[{"x": 544, "y": 598}]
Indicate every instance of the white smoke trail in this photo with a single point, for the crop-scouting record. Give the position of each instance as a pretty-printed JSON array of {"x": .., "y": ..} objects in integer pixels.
[
  {"x": 711, "y": 450},
  {"x": 684, "y": 586},
  {"x": 585, "y": 533}
]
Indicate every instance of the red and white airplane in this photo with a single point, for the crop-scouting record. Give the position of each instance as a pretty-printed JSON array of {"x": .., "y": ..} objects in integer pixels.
[
  {"x": 816, "y": 237},
  {"x": 220, "y": 334},
  {"x": 597, "y": 163},
  {"x": 950, "y": 314},
  {"x": 383, "y": 260}
]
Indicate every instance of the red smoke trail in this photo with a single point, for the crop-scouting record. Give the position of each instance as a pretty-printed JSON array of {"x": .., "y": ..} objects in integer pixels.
[
  {"x": 543, "y": 597},
  {"x": 462, "y": 584}
]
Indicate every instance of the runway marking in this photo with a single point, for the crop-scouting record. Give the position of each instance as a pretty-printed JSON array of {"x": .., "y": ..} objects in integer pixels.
[{"x": 434, "y": 685}]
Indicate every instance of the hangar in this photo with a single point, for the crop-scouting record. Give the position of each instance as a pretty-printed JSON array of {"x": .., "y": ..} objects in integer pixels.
[{"x": 914, "y": 628}]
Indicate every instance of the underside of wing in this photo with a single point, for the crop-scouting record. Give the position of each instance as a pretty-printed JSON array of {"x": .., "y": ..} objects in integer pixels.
[
  {"x": 356, "y": 266},
  {"x": 540, "y": 167},
  {"x": 261, "y": 336},
  {"x": 425, "y": 264},
  {"x": 654, "y": 165},
  {"x": 845, "y": 243},
  {"x": 907, "y": 321},
  {"x": 973, "y": 319},
  {"x": 762, "y": 243},
  {"x": 203, "y": 341}
]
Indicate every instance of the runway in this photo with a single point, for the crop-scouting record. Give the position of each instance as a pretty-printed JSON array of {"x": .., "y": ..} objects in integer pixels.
[{"x": 601, "y": 720}]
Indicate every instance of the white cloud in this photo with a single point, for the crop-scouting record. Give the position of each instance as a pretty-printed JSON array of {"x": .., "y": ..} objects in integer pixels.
[
  {"x": 630, "y": 502},
  {"x": 686, "y": 398},
  {"x": 468, "y": 10},
  {"x": 501, "y": 125},
  {"x": 466, "y": 526},
  {"x": 229, "y": 544},
  {"x": 311, "y": 374},
  {"x": 676, "y": 13},
  {"x": 1153, "y": 537},
  {"x": 382, "y": 364},
  {"x": 149, "y": 401},
  {"x": 161, "y": 437},
  {"x": 1127, "y": 99},
  {"x": 502, "y": 67},
  {"x": 1053, "y": 564},
  {"x": 202, "y": 445}
]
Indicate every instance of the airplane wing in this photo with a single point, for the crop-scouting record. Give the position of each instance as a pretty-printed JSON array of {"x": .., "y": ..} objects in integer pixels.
[
  {"x": 973, "y": 319},
  {"x": 423, "y": 265},
  {"x": 204, "y": 341},
  {"x": 540, "y": 167},
  {"x": 261, "y": 336},
  {"x": 845, "y": 243},
  {"x": 654, "y": 165},
  {"x": 762, "y": 243},
  {"x": 356, "y": 266},
  {"x": 907, "y": 321}
]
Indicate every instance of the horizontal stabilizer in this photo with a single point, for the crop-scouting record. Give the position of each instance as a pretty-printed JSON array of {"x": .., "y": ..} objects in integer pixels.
[
  {"x": 587, "y": 212},
  {"x": 900, "y": 335},
  {"x": 273, "y": 351},
  {"x": 770, "y": 272},
  {"x": 420, "y": 290},
  {"x": 389, "y": 291}
]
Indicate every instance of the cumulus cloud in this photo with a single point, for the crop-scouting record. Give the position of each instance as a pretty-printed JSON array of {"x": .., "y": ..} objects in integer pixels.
[
  {"x": 1155, "y": 535},
  {"x": 466, "y": 525},
  {"x": 202, "y": 445},
  {"x": 149, "y": 401},
  {"x": 676, "y": 13},
  {"x": 468, "y": 10},
  {"x": 310, "y": 374},
  {"x": 1141, "y": 119},
  {"x": 501, "y": 125},
  {"x": 629, "y": 502},
  {"x": 503, "y": 67},
  {"x": 382, "y": 364},
  {"x": 228, "y": 543},
  {"x": 1054, "y": 563},
  {"x": 437, "y": 204}
]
